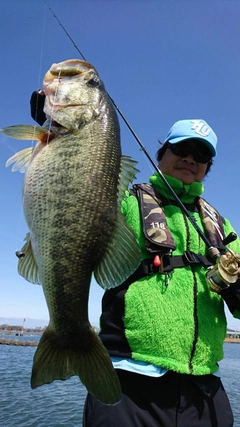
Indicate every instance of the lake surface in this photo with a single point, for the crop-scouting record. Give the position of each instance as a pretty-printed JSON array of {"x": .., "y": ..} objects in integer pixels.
[{"x": 61, "y": 403}]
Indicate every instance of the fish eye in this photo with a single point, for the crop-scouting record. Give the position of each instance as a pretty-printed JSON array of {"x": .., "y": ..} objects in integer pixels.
[{"x": 94, "y": 82}]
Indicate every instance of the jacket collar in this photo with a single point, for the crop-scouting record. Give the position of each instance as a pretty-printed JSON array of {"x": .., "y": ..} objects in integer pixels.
[{"x": 186, "y": 192}]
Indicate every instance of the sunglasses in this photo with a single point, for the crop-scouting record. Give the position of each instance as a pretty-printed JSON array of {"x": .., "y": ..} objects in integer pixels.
[{"x": 183, "y": 149}]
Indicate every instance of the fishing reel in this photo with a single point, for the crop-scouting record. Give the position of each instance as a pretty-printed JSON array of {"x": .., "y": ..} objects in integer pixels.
[{"x": 225, "y": 270}]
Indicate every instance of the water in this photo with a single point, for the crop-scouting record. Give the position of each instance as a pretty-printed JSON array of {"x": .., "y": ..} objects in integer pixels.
[
  {"x": 230, "y": 371},
  {"x": 61, "y": 403},
  {"x": 53, "y": 405}
]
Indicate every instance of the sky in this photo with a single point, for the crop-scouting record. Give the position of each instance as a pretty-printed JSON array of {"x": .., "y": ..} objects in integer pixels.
[{"x": 161, "y": 61}]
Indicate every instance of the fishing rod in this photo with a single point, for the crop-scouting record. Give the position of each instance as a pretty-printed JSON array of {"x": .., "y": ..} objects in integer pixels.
[
  {"x": 226, "y": 266},
  {"x": 143, "y": 148}
]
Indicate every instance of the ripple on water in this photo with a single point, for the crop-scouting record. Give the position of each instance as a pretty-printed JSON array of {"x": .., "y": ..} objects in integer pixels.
[
  {"x": 60, "y": 404},
  {"x": 54, "y": 405}
]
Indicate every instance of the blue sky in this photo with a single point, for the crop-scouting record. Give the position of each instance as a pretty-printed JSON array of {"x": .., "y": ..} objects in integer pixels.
[{"x": 161, "y": 61}]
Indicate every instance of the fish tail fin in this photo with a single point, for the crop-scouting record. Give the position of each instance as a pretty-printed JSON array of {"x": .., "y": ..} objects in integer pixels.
[{"x": 55, "y": 361}]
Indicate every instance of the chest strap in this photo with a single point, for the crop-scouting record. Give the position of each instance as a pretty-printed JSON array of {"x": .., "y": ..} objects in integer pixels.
[
  {"x": 147, "y": 267},
  {"x": 170, "y": 262}
]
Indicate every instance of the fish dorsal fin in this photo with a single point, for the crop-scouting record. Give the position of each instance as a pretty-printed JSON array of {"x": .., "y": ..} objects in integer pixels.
[
  {"x": 122, "y": 256},
  {"x": 27, "y": 266},
  {"x": 127, "y": 174},
  {"x": 20, "y": 160}
]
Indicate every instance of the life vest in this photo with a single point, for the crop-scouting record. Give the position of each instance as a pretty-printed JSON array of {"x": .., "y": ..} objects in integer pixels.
[{"x": 158, "y": 237}]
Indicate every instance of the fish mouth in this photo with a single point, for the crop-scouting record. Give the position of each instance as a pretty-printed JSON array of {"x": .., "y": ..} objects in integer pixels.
[
  {"x": 69, "y": 68},
  {"x": 64, "y": 86},
  {"x": 63, "y": 71}
]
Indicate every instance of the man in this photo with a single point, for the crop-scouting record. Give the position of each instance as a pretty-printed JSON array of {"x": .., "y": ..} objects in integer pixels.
[{"x": 164, "y": 327}]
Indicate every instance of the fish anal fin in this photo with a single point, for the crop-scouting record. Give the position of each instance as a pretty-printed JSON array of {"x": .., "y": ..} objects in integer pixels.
[
  {"x": 121, "y": 258},
  {"x": 53, "y": 361},
  {"x": 27, "y": 266}
]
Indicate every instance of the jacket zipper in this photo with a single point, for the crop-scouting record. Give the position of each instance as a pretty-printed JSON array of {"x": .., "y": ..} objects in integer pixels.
[
  {"x": 195, "y": 317},
  {"x": 195, "y": 320}
]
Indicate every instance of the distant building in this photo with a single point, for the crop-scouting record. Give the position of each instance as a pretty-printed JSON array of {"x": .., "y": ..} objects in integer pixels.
[{"x": 231, "y": 333}]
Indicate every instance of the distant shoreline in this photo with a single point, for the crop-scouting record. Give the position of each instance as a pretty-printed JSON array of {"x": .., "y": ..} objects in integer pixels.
[
  {"x": 232, "y": 340},
  {"x": 16, "y": 342},
  {"x": 28, "y": 343}
]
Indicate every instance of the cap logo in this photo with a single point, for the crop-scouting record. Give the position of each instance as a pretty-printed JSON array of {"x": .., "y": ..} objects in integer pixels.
[{"x": 200, "y": 128}]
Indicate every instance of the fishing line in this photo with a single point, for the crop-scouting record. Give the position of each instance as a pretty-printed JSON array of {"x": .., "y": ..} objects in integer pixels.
[
  {"x": 38, "y": 85},
  {"x": 180, "y": 204},
  {"x": 42, "y": 44},
  {"x": 47, "y": 125},
  {"x": 41, "y": 61},
  {"x": 115, "y": 105}
]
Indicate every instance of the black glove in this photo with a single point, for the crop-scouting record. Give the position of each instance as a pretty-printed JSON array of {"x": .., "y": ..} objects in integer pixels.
[
  {"x": 231, "y": 296},
  {"x": 37, "y": 104}
]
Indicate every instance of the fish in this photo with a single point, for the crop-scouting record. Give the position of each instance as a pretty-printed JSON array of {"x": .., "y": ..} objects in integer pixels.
[{"x": 75, "y": 180}]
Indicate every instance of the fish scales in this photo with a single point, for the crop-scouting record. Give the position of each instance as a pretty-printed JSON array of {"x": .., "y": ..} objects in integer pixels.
[
  {"x": 75, "y": 180},
  {"x": 71, "y": 219}
]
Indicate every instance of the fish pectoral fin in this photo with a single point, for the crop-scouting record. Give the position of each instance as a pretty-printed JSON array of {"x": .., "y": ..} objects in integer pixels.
[
  {"x": 25, "y": 132},
  {"x": 27, "y": 266},
  {"x": 127, "y": 174},
  {"x": 87, "y": 359},
  {"x": 20, "y": 160},
  {"x": 121, "y": 258}
]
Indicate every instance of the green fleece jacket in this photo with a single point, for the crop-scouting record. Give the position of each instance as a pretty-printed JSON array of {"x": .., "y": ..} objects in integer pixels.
[{"x": 176, "y": 323}]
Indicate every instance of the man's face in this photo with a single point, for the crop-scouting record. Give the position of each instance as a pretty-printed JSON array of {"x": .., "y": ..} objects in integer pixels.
[{"x": 183, "y": 166}]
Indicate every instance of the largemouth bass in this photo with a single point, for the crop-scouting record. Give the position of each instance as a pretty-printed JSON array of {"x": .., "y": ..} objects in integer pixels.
[{"x": 75, "y": 181}]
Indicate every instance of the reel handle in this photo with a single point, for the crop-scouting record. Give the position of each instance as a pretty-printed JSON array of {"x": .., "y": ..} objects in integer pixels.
[{"x": 230, "y": 238}]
